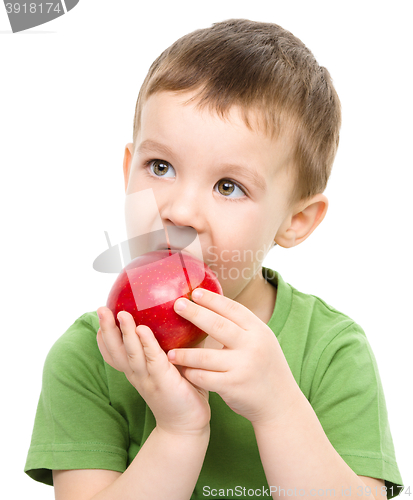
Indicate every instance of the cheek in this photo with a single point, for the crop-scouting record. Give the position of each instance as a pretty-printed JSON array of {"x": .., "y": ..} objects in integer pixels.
[
  {"x": 138, "y": 180},
  {"x": 242, "y": 241},
  {"x": 235, "y": 266},
  {"x": 143, "y": 223}
]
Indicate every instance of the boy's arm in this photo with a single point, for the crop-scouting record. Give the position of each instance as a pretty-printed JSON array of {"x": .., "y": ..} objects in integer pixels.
[
  {"x": 252, "y": 375},
  {"x": 167, "y": 466},
  {"x": 297, "y": 455},
  {"x": 169, "y": 462}
]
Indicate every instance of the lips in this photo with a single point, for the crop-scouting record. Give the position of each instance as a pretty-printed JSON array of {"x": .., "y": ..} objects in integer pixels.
[{"x": 163, "y": 247}]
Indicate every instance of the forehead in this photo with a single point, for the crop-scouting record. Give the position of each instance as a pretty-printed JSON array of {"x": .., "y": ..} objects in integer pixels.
[{"x": 177, "y": 122}]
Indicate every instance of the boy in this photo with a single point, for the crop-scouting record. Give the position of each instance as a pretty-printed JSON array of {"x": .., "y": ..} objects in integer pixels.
[{"x": 235, "y": 132}]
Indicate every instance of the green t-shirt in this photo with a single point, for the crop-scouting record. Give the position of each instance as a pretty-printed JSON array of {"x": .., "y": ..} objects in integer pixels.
[{"x": 90, "y": 417}]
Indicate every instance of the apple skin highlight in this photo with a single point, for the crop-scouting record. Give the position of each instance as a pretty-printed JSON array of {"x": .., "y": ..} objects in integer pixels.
[{"x": 148, "y": 287}]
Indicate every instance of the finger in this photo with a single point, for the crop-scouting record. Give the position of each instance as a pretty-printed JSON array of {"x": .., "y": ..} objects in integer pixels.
[
  {"x": 111, "y": 337},
  {"x": 219, "y": 327},
  {"x": 156, "y": 360},
  {"x": 132, "y": 344},
  {"x": 205, "y": 359},
  {"x": 207, "y": 380},
  {"x": 103, "y": 350},
  {"x": 226, "y": 307}
]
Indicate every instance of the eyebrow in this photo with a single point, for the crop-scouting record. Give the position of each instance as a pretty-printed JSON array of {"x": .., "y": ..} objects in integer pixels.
[
  {"x": 252, "y": 176},
  {"x": 149, "y": 146}
]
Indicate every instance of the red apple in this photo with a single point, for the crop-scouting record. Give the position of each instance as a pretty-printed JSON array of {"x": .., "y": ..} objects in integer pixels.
[{"x": 148, "y": 287}]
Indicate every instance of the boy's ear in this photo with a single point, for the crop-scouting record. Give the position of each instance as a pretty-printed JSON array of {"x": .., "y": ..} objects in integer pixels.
[
  {"x": 302, "y": 221},
  {"x": 127, "y": 162}
]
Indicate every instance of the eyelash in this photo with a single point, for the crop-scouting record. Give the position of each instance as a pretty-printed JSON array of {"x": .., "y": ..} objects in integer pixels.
[{"x": 149, "y": 162}]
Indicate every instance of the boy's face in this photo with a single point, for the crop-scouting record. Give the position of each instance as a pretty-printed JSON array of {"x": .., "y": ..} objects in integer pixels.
[{"x": 229, "y": 183}]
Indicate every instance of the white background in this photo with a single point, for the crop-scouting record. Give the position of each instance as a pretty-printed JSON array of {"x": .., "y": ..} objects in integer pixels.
[{"x": 67, "y": 96}]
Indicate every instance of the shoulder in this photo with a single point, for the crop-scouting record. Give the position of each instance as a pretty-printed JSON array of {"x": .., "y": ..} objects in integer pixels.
[
  {"x": 80, "y": 422},
  {"x": 334, "y": 366},
  {"x": 313, "y": 334},
  {"x": 75, "y": 354},
  {"x": 325, "y": 325},
  {"x": 82, "y": 333},
  {"x": 302, "y": 314}
]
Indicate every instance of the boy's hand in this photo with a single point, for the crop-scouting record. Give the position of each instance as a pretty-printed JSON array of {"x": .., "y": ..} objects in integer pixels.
[
  {"x": 250, "y": 373},
  {"x": 178, "y": 406}
]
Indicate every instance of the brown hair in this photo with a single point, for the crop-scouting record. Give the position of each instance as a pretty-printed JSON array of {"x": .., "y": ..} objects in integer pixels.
[{"x": 259, "y": 67}]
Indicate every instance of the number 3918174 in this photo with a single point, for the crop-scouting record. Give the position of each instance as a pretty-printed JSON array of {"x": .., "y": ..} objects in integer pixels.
[{"x": 32, "y": 8}]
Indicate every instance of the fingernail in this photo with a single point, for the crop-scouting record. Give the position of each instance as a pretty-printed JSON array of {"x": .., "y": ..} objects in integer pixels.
[
  {"x": 197, "y": 294},
  {"x": 171, "y": 355},
  {"x": 119, "y": 318},
  {"x": 180, "y": 305}
]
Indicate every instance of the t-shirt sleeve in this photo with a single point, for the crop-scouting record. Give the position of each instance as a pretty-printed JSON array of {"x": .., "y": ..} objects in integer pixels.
[
  {"x": 347, "y": 396},
  {"x": 76, "y": 427}
]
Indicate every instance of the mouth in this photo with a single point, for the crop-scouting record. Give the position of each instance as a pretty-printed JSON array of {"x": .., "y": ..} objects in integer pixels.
[
  {"x": 175, "y": 250},
  {"x": 172, "y": 248}
]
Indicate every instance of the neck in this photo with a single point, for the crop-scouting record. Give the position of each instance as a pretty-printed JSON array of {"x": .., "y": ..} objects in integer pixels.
[{"x": 259, "y": 296}]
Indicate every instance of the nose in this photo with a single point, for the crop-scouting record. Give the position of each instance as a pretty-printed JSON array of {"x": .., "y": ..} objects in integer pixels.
[{"x": 182, "y": 208}]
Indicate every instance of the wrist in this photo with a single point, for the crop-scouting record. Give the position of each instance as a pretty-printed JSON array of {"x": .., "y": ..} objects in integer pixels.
[
  {"x": 283, "y": 411},
  {"x": 187, "y": 435}
]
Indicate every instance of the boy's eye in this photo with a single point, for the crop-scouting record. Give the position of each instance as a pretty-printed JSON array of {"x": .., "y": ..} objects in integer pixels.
[
  {"x": 161, "y": 168},
  {"x": 227, "y": 188}
]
